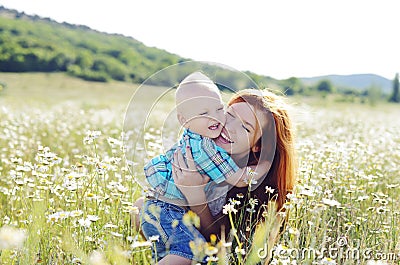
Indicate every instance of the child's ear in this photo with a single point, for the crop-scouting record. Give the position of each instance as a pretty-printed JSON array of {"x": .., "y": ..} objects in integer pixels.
[{"x": 181, "y": 119}]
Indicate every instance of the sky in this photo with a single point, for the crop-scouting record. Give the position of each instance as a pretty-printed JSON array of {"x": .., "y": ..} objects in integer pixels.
[{"x": 279, "y": 38}]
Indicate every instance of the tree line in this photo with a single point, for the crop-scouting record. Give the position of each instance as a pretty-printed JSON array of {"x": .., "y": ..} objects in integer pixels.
[
  {"x": 35, "y": 44},
  {"x": 31, "y": 44}
]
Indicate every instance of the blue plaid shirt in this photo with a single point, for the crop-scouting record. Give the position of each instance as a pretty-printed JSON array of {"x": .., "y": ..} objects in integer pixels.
[{"x": 210, "y": 160}]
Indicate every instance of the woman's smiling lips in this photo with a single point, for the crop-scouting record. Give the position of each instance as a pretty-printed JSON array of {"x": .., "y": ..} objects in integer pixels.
[{"x": 224, "y": 138}]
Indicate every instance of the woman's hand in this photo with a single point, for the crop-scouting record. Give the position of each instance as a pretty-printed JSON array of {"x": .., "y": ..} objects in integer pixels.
[
  {"x": 191, "y": 183},
  {"x": 186, "y": 177}
]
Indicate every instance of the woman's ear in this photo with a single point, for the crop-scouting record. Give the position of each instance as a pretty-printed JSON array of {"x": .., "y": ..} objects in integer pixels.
[
  {"x": 255, "y": 148},
  {"x": 181, "y": 119}
]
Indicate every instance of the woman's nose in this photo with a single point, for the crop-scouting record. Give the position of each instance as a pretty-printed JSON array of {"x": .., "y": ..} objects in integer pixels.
[
  {"x": 222, "y": 117},
  {"x": 228, "y": 118},
  {"x": 229, "y": 125}
]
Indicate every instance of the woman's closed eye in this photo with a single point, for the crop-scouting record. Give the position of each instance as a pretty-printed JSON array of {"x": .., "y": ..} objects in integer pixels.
[
  {"x": 203, "y": 113},
  {"x": 244, "y": 126},
  {"x": 247, "y": 129}
]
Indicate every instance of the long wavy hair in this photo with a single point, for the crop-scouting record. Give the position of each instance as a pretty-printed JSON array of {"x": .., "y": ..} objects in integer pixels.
[{"x": 282, "y": 174}]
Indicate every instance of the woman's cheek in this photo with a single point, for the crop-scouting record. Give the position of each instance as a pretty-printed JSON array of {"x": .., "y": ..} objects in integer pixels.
[{"x": 242, "y": 144}]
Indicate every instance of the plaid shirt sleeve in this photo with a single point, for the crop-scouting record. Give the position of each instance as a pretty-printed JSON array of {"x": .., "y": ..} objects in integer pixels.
[
  {"x": 212, "y": 160},
  {"x": 158, "y": 173}
]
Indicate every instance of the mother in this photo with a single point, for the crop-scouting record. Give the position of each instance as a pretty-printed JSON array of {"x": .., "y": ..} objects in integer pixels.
[
  {"x": 248, "y": 128},
  {"x": 253, "y": 116}
]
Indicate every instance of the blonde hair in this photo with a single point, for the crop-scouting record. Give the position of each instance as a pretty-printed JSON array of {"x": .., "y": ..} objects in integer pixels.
[{"x": 283, "y": 169}]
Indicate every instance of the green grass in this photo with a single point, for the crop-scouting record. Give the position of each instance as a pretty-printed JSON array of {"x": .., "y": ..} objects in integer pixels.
[
  {"x": 48, "y": 90},
  {"x": 70, "y": 198}
]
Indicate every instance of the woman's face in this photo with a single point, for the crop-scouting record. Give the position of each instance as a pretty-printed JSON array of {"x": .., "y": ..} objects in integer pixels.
[{"x": 241, "y": 130}]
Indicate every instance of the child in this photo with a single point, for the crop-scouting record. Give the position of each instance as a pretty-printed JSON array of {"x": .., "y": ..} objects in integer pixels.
[{"x": 200, "y": 111}]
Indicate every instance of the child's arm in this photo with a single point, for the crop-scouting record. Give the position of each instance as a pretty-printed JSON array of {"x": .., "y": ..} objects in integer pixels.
[
  {"x": 244, "y": 176},
  {"x": 219, "y": 166}
]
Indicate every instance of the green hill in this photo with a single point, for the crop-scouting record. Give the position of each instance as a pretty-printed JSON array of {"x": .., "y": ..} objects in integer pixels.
[
  {"x": 36, "y": 44},
  {"x": 31, "y": 43},
  {"x": 360, "y": 82}
]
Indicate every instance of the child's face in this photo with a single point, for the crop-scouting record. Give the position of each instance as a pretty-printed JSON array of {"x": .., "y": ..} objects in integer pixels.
[{"x": 203, "y": 114}]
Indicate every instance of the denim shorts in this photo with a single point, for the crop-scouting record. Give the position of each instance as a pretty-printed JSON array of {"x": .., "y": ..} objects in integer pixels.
[{"x": 163, "y": 219}]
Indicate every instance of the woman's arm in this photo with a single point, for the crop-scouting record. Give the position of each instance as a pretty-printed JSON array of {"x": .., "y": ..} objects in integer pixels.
[{"x": 191, "y": 183}]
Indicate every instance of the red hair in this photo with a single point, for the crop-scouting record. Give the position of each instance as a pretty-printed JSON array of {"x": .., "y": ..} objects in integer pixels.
[{"x": 282, "y": 174}]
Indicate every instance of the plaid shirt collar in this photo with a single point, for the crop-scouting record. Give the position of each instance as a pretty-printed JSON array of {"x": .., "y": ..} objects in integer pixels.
[{"x": 191, "y": 134}]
